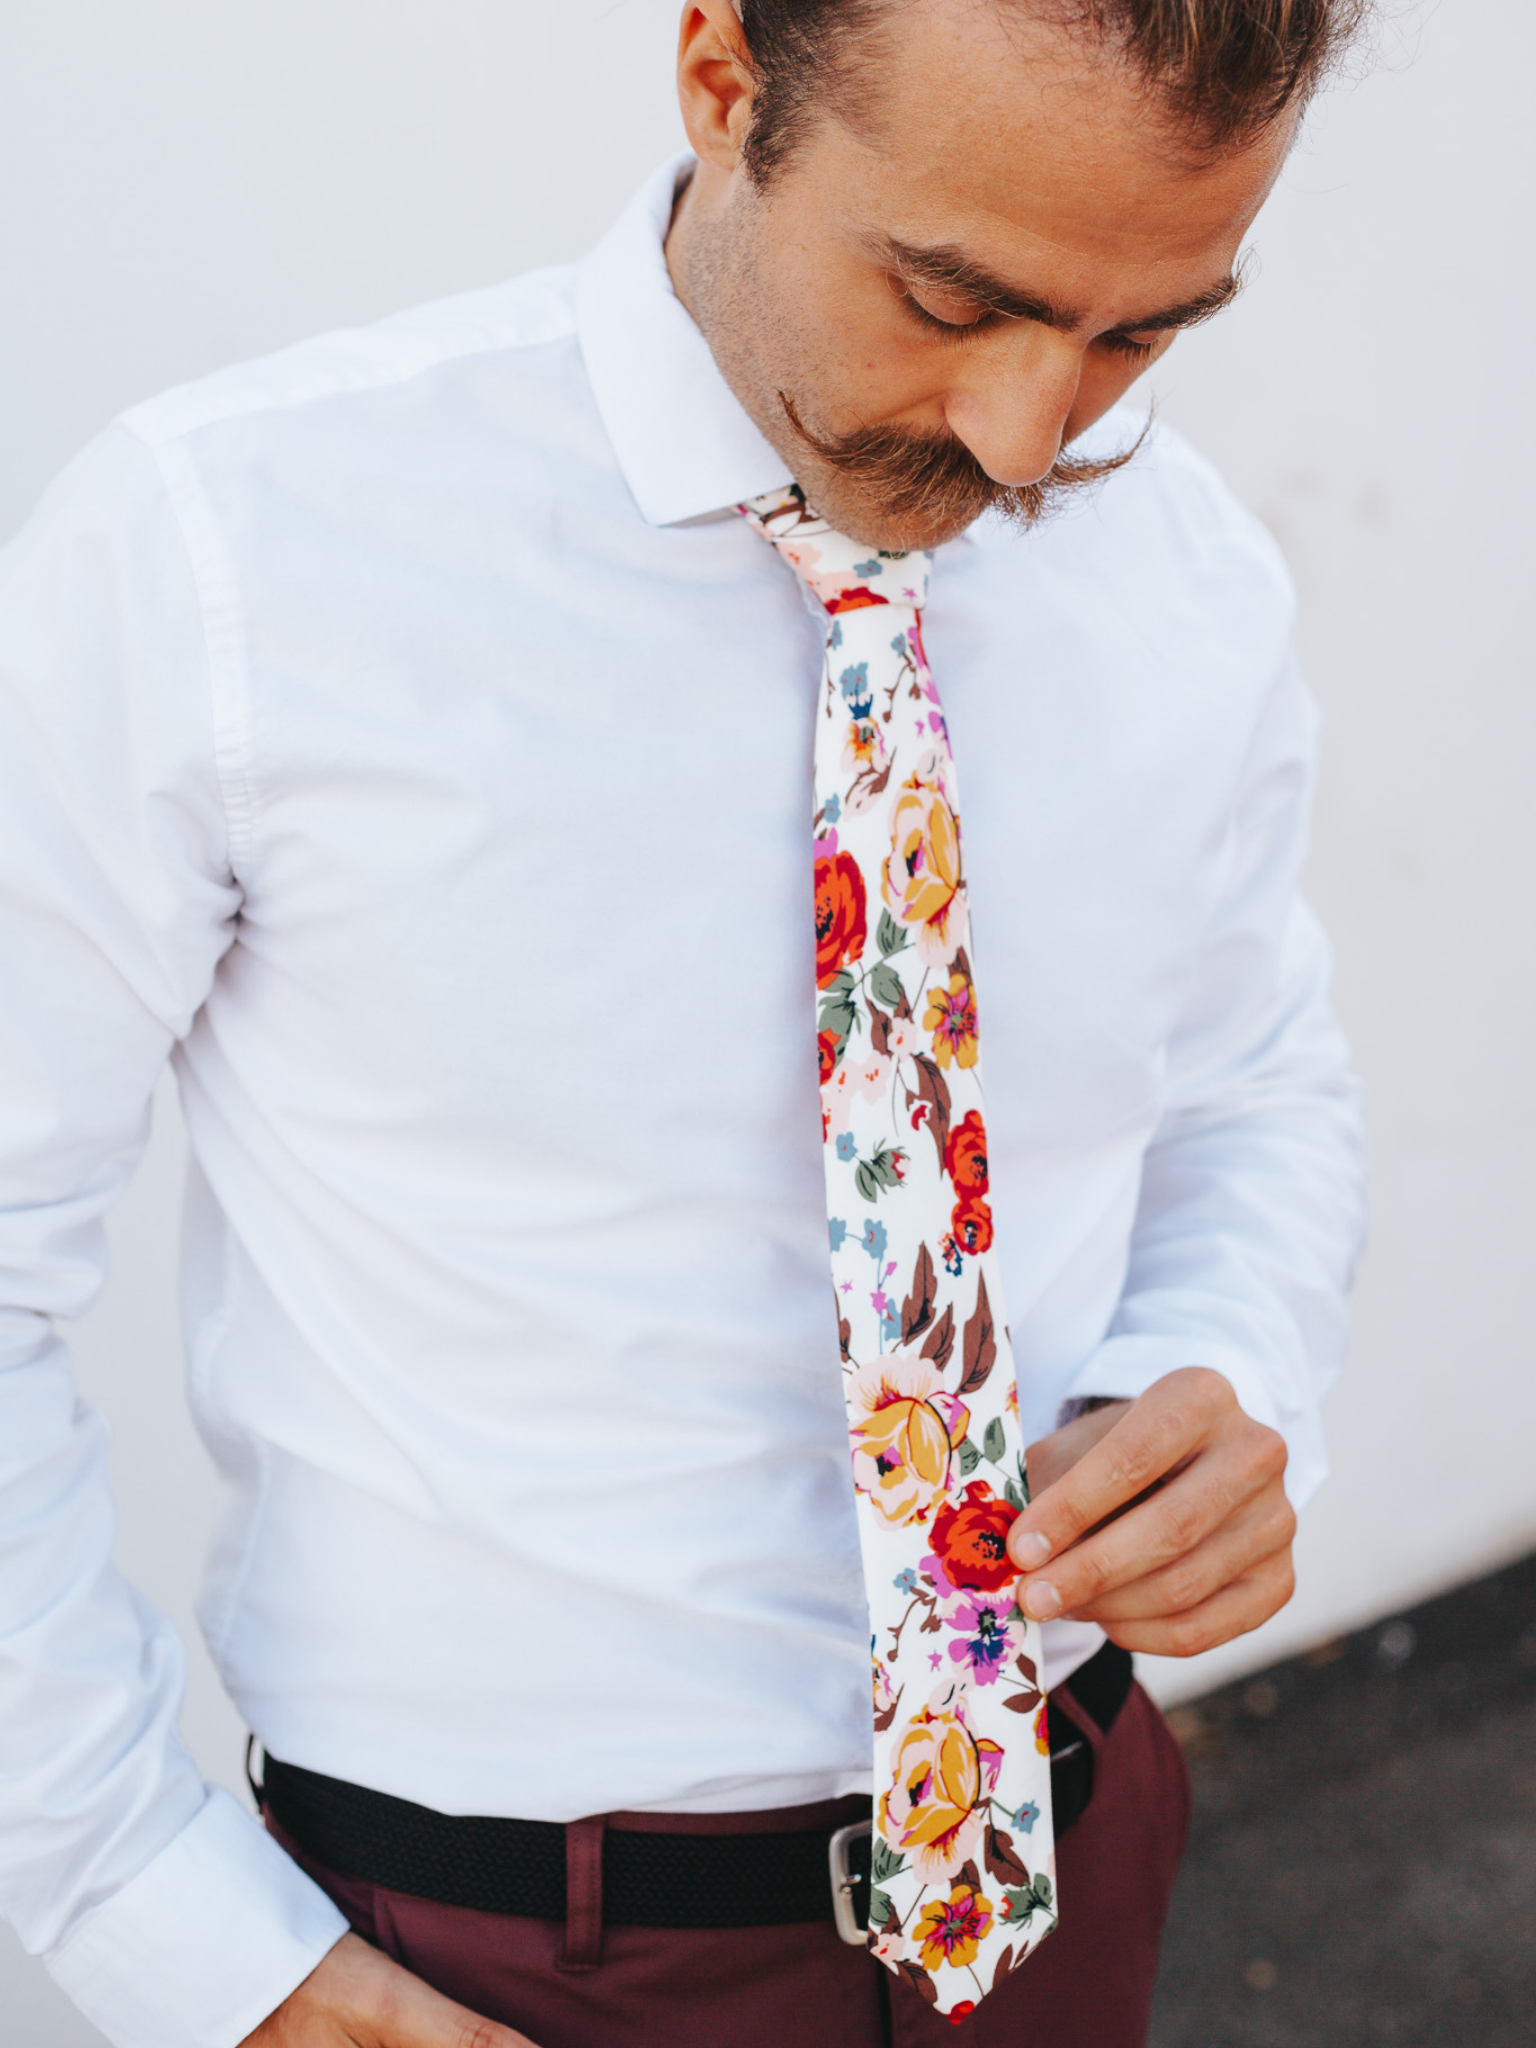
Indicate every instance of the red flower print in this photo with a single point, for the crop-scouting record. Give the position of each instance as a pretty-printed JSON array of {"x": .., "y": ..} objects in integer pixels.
[
  {"x": 855, "y": 599},
  {"x": 972, "y": 1225},
  {"x": 970, "y": 1539},
  {"x": 965, "y": 1161},
  {"x": 962, "y": 2011},
  {"x": 840, "y": 925},
  {"x": 965, "y": 1158},
  {"x": 826, "y": 1052}
]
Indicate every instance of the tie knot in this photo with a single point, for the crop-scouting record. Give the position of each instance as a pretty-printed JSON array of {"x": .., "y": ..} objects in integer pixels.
[{"x": 842, "y": 574}]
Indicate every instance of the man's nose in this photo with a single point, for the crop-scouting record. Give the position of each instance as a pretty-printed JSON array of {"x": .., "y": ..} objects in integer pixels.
[{"x": 1012, "y": 413}]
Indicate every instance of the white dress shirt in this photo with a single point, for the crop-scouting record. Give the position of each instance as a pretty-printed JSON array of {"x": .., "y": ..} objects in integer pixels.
[{"x": 403, "y": 737}]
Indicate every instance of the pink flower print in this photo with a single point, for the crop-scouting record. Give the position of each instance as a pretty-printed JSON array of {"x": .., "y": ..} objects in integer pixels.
[
  {"x": 867, "y": 765},
  {"x": 957, "y": 1417},
  {"x": 903, "y": 1039},
  {"x": 890, "y": 1947},
  {"x": 869, "y": 1077},
  {"x": 984, "y": 1632}
]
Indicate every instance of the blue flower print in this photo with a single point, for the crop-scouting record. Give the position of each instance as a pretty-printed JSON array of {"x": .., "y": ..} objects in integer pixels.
[
  {"x": 1024, "y": 1820},
  {"x": 837, "y": 1230},
  {"x": 906, "y": 1582},
  {"x": 899, "y": 644},
  {"x": 890, "y": 1322},
  {"x": 835, "y": 634},
  {"x": 873, "y": 1239},
  {"x": 846, "y": 1148},
  {"x": 832, "y": 810},
  {"x": 854, "y": 684},
  {"x": 866, "y": 569}
]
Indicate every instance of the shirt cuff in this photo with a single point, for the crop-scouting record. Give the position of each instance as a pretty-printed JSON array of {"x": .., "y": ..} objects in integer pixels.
[
  {"x": 204, "y": 1943},
  {"x": 1124, "y": 1367}
]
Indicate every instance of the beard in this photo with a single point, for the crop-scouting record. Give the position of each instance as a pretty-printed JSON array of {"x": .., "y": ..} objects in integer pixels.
[{"x": 932, "y": 486}]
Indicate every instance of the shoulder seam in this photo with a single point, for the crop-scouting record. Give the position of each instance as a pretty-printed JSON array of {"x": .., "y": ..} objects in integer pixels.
[
  {"x": 219, "y": 611},
  {"x": 342, "y": 368}
]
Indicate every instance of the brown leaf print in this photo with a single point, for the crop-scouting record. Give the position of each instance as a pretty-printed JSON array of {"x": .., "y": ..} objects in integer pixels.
[
  {"x": 921, "y": 1982},
  {"x": 997, "y": 1847},
  {"x": 917, "y": 1309},
  {"x": 941, "y": 1339},
  {"x": 934, "y": 1089},
  {"x": 980, "y": 1350}
]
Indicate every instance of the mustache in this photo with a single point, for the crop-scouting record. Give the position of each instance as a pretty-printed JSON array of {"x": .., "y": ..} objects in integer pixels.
[{"x": 935, "y": 480}]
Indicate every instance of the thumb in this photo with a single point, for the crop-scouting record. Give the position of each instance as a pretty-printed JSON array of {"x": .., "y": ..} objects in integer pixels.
[
  {"x": 416, "y": 2016},
  {"x": 359, "y": 1998}
]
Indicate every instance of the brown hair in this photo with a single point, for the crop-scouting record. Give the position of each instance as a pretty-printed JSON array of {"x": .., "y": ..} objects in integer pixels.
[{"x": 1222, "y": 69}]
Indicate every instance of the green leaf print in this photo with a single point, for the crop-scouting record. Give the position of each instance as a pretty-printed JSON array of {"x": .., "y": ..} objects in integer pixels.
[
  {"x": 970, "y": 1458},
  {"x": 889, "y": 936},
  {"x": 1027, "y": 1900},
  {"x": 883, "y": 1171},
  {"x": 879, "y": 1908},
  {"x": 888, "y": 1162},
  {"x": 885, "y": 985},
  {"x": 885, "y": 1862},
  {"x": 1014, "y": 1498},
  {"x": 837, "y": 1015},
  {"x": 994, "y": 1440}
]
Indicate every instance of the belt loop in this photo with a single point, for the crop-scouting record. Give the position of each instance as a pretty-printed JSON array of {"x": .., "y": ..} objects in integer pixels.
[{"x": 583, "y": 1948}]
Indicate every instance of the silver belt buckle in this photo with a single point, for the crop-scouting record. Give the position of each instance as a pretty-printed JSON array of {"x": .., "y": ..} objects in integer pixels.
[{"x": 845, "y": 1883}]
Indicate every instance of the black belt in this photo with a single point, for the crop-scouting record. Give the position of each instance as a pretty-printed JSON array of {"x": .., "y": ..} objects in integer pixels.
[{"x": 649, "y": 1880}]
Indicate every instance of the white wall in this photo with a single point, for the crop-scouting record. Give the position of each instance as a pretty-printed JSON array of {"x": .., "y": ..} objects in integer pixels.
[{"x": 183, "y": 183}]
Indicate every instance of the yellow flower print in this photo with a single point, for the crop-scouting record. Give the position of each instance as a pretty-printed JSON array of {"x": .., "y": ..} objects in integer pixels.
[
  {"x": 901, "y": 1441},
  {"x": 936, "y": 1804},
  {"x": 951, "y": 1017},
  {"x": 952, "y": 1930},
  {"x": 921, "y": 879}
]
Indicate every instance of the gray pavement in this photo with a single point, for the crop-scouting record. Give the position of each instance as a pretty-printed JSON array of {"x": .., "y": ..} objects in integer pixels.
[{"x": 1362, "y": 1866}]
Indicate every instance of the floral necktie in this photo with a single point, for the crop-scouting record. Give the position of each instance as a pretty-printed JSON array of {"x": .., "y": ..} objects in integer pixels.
[{"x": 962, "y": 1857}]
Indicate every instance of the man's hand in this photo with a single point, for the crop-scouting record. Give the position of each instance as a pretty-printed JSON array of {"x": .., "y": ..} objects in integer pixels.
[
  {"x": 1162, "y": 1519},
  {"x": 357, "y": 1998}
]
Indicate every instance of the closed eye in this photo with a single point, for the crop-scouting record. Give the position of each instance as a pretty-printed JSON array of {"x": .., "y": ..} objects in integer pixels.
[
  {"x": 1128, "y": 346},
  {"x": 971, "y": 322}
]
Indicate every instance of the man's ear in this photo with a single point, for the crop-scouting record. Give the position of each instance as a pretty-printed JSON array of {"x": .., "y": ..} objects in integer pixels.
[{"x": 714, "y": 81}]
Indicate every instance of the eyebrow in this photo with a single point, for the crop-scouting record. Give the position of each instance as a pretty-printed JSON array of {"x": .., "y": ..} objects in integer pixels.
[{"x": 950, "y": 270}]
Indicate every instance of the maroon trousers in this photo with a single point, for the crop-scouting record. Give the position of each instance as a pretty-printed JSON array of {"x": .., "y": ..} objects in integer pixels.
[{"x": 579, "y": 1984}]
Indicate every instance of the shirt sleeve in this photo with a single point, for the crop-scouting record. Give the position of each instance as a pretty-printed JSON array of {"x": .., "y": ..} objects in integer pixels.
[
  {"x": 163, "y": 1908},
  {"x": 1251, "y": 1206}
]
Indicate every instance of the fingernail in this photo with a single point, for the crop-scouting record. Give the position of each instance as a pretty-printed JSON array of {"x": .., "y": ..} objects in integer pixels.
[
  {"x": 1042, "y": 1602},
  {"x": 1029, "y": 1548}
]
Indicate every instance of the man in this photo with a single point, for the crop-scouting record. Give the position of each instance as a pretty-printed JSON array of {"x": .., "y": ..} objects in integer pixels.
[{"x": 412, "y": 737}]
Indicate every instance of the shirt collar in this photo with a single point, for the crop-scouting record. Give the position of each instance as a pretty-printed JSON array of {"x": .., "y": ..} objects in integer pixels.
[{"x": 681, "y": 437}]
